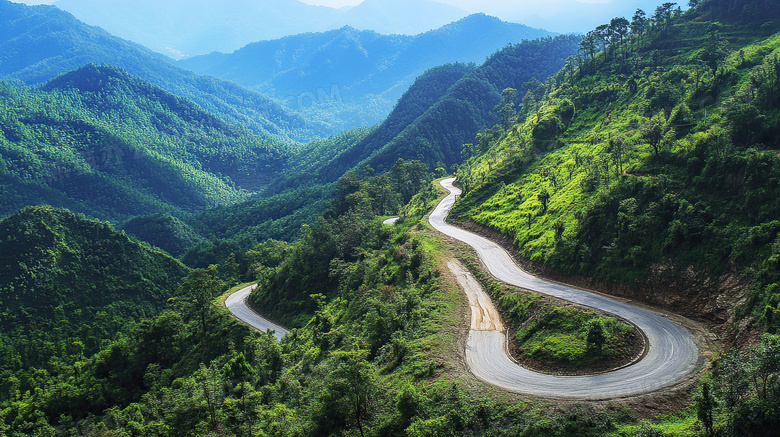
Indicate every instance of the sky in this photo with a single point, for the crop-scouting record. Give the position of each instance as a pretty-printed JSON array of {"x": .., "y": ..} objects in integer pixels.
[
  {"x": 557, "y": 15},
  {"x": 564, "y": 16}
]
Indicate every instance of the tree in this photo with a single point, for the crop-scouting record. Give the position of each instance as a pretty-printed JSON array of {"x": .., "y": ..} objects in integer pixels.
[
  {"x": 604, "y": 34},
  {"x": 596, "y": 336},
  {"x": 638, "y": 22},
  {"x": 619, "y": 27},
  {"x": 588, "y": 44},
  {"x": 543, "y": 197},
  {"x": 212, "y": 387},
  {"x": 663, "y": 13},
  {"x": 506, "y": 108},
  {"x": 705, "y": 406},
  {"x": 199, "y": 288},
  {"x": 714, "y": 52},
  {"x": 653, "y": 132},
  {"x": 350, "y": 392}
]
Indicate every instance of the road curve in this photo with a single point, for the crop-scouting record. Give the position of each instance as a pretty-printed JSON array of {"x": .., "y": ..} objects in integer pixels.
[
  {"x": 671, "y": 355},
  {"x": 236, "y": 303}
]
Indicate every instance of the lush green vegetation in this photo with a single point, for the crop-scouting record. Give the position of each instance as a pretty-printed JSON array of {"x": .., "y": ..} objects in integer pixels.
[
  {"x": 375, "y": 357},
  {"x": 68, "y": 285},
  {"x": 650, "y": 158},
  {"x": 38, "y": 43},
  {"x": 552, "y": 335},
  {"x": 646, "y": 160},
  {"x": 345, "y": 232},
  {"x": 104, "y": 143},
  {"x": 429, "y": 126},
  {"x": 165, "y": 231}
]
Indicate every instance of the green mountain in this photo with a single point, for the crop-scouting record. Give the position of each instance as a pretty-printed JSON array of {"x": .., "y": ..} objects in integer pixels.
[
  {"x": 40, "y": 42},
  {"x": 352, "y": 78},
  {"x": 105, "y": 143},
  {"x": 448, "y": 106},
  {"x": 651, "y": 167},
  {"x": 68, "y": 284},
  {"x": 445, "y": 108}
]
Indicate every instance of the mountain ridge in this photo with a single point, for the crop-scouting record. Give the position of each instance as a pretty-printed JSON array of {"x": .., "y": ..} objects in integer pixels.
[
  {"x": 313, "y": 74},
  {"x": 37, "y": 43},
  {"x": 185, "y": 28}
]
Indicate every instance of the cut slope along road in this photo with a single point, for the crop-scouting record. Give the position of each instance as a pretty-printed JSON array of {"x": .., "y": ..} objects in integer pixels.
[{"x": 671, "y": 355}]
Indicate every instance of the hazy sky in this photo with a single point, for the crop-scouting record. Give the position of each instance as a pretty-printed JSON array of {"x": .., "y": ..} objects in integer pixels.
[{"x": 556, "y": 15}]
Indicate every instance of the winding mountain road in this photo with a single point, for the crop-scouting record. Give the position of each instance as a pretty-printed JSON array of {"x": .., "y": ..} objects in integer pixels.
[
  {"x": 237, "y": 305},
  {"x": 671, "y": 355}
]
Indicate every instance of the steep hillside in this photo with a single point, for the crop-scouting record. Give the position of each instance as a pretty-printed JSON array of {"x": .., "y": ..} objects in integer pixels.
[
  {"x": 38, "y": 43},
  {"x": 324, "y": 161},
  {"x": 105, "y": 143},
  {"x": 650, "y": 169},
  {"x": 352, "y": 78},
  {"x": 438, "y": 133},
  {"x": 68, "y": 284}
]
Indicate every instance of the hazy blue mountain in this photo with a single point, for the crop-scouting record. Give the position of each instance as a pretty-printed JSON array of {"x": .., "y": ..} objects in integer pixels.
[
  {"x": 180, "y": 28},
  {"x": 37, "y": 43},
  {"x": 348, "y": 77}
]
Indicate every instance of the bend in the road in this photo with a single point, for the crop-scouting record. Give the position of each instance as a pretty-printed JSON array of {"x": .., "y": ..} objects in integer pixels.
[
  {"x": 672, "y": 353},
  {"x": 236, "y": 304}
]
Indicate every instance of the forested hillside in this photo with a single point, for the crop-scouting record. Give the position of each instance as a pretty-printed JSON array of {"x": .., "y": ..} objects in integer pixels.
[
  {"x": 445, "y": 107},
  {"x": 68, "y": 285},
  {"x": 671, "y": 134},
  {"x": 374, "y": 353},
  {"x": 105, "y": 143},
  {"x": 37, "y": 43},
  {"x": 439, "y": 129},
  {"x": 650, "y": 168}
]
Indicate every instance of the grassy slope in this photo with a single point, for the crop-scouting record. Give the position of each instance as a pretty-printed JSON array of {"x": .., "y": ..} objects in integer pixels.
[{"x": 704, "y": 200}]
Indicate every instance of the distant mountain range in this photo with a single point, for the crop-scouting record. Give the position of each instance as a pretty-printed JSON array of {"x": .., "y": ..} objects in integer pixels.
[
  {"x": 37, "y": 43},
  {"x": 347, "y": 77},
  {"x": 180, "y": 28}
]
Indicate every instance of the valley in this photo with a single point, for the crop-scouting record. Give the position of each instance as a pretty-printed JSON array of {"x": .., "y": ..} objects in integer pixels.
[{"x": 476, "y": 227}]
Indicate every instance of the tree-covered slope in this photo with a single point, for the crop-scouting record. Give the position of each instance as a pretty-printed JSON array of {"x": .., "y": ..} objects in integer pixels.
[
  {"x": 445, "y": 107},
  {"x": 440, "y": 127},
  {"x": 37, "y": 43},
  {"x": 68, "y": 284},
  {"x": 105, "y": 143},
  {"x": 651, "y": 166}
]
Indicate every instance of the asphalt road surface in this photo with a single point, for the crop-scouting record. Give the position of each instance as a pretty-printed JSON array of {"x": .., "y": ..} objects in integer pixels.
[
  {"x": 236, "y": 303},
  {"x": 671, "y": 354}
]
